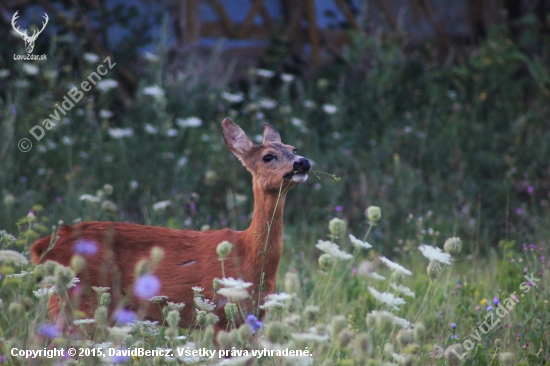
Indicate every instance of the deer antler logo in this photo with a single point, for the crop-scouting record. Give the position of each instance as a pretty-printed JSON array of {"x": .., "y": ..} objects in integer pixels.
[{"x": 29, "y": 40}]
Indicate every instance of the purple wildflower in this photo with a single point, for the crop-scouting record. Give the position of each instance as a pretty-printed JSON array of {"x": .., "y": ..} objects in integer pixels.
[
  {"x": 13, "y": 109},
  {"x": 541, "y": 258},
  {"x": 59, "y": 199},
  {"x": 524, "y": 247},
  {"x": 124, "y": 316},
  {"x": 532, "y": 246},
  {"x": 254, "y": 323},
  {"x": 453, "y": 325},
  {"x": 495, "y": 301},
  {"x": 454, "y": 336},
  {"x": 489, "y": 308},
  {"x": 85, "y": 247},
  {"x": 118, "y": 358},
  {"x": 530, "y": 190},
  {"x": 519, "y": 210},
  {"x": 49, "y": 330},
  {"x": 338, "y": 208},
  {"x": 147, "y": 286}
]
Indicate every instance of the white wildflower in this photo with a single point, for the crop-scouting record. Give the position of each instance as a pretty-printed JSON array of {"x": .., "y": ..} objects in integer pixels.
[
  {"x": 30, "y": 69},
  {"x": 175, "y": 305},
  {"x": 395, "y": 267},
  {"x": 280, "y": 297},
  {"x": 23, "y": 274},
  {"x": 189, "y": 122},
  {"x": 265, "y": 73},
  {"x": 145, "y": 327},
  {"x": 154, "y": 91},
  {"x": 233, "y": 97},
  {"x": 398, "y": 358},
  {"x": 172, "y": 132},
  {"x": 306, "y": 337},
  {"x": 11, "y": 256},
  {"x": 90, "y": 57},
  {"x": 387, "y": 298},
  {"x": 375, "y": 276},
  {"x": 83, "y": 321},
  {"x": 267, "y": 103},
  {"x": 118, "y": 133},
  {"x": 235, "y": 361},
  {"x": 333, "y": 249},
  {"x": 287, "y": 78},
  {"x": 197, "y": 289},
  {"x": 330, "y": 109},
  {"x": 270, "y": 304},
  {"x": 67, "y": 141},
  {"x": 300, "y": 124},
  {"x": 44, "y": 292},
  {"x": 100, "y": 290},
  {"x": 4, "y": 73},
  {"x": 234, "y": 294},
  {"x": 89, "y": 198},
  {"x": 120, "y": 331},
  {"x": 105, "y": 114},
  {"x": 233, "y": 283},
  {"x": 150, "y": 129},
  {"x": 359, "y": 244},
  {"x": 151, "y": 57},
  {"x": 204, "y": 304},
  {"x": 158, "y": 299},
  {"x": 403, "y": 289},
  {"x": 309, "y": 104},
  {"x": 435, "y": 254},
  {"x": 404, "y": 323},
  {"x": 106, "y": 84},
  {"x": 161, "y": 205}
]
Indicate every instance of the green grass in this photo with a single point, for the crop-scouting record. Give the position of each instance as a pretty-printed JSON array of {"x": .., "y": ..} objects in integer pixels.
[{"x": 453, "y": 150}]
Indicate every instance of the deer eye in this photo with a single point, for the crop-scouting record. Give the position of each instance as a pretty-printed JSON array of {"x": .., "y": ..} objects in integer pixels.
[
  {"x": 295, "y": 151},
  {"x": 267, "y": 158}
]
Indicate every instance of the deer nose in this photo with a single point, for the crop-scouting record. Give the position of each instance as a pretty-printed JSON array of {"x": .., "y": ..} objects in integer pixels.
[{"x": 301, "y": 166}]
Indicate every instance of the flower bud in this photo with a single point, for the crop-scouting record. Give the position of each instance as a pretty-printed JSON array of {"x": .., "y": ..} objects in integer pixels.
[
  {"x": 63, "y": 277},
  {"x": 211, "y": 319},
  {"x": 108, "y": 189},
  {"x": 311, "y": 312},
  {"x": 373, "y": 214},
  {"x": 506, "y": 358},
  {"x": 275, "y": 331},
  {"x": 105, "y": 299},
  {"x": 337, "y": 227},
  {"x": 453, "y": 246},
  {"x": 452, "y": 354},
  {"x": 77, "y": 263},
  {"x": 405, "y": 337},
  {"x": 173, "y": 318},
  {"x": 337, "y": 324},
  {"x": 171, "y": 333},
  {"x": 292, "y": 283},
  {"x": 224, "y": 340},
  {"x": 344, "y": 338},
  {"x": 216, "y": 284},
  {"x": 326, "y": 261},
  {"x": 109, "y": 207},
  {"x": 157, "y": 253},
  {"x": 434, "y": 270},
  {"x": 245, "y": 333},
  {"x": 419, "y": 330},
  {"x": 201, "y": 318},
  {"x": 223, "y": 249},
  {"x": 100, "y": 316},
  {"x": 362, "y": 345},
  {"x": 142, "y": 267},
  {"x": 16, "y": 310},
  {"x": 230, "y": 310},
  {"x": 209, "y": 333}
]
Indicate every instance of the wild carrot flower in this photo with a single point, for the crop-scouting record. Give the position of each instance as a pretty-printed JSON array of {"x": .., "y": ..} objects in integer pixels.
[
  {"x": 85, "y": 247},
  {"x": 147, "y": 286},
  {"x": 359, "y": 244},
  {"x": 235, "y": 283},
  {"x": 395, "y": 267},
  {"x": 387, "y": 298},
  {"x": 333, "y": 249},
  {"x": 234, "y": 294},
  {"x": 13, "y": 257},
  {"x": 204, "y": 304},
  {"x": 435, "y": 254},
  {"x": 403, "y": 289}
]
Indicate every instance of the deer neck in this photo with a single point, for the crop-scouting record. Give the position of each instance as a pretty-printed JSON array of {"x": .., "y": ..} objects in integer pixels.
[{"x": 265, "y": 233}]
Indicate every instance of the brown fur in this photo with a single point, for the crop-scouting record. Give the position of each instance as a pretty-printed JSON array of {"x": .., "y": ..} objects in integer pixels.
[{"x": 122, "y": 245}]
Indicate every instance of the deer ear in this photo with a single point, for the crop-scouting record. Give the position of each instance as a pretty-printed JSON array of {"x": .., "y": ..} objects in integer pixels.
[
  {"x": 270, "y": 134},
  {"x": 235, "y": 138}
]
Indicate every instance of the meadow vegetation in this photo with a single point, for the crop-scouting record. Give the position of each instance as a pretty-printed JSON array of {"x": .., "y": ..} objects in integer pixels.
[{"x": 435, "y": 150}]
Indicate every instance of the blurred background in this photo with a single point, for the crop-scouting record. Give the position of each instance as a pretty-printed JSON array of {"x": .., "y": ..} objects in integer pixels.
[{"x": 436, "y": 111}]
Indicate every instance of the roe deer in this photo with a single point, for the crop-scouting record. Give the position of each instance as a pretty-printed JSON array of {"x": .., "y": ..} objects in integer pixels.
[{"x": 190, "y": 257}]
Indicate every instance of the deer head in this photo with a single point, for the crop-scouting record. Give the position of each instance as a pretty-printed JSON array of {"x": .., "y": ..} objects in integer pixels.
[
  {"x": 29, "y": 40},
  {"x": 269, "y": 162}
]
